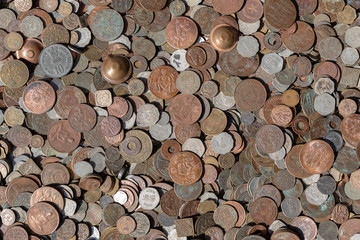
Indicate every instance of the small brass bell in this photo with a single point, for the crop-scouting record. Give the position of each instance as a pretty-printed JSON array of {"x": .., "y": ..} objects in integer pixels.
[
  {"x": 224, "y": 37},
  {"x": 116, "y": 69}
]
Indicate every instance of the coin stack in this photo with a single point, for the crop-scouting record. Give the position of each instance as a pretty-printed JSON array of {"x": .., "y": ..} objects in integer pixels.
[{"x": 179, "y": 119}]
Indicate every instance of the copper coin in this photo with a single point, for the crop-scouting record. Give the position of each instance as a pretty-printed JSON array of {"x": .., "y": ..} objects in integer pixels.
[
  {"x": 43, "y": 218},
  {"x": 268, "y": 191},
  {"x": 302, "y": 40},
  {"x": 305, "y": 227},
  {"x": 55, "y": 173},
  {"x": 232, "y": 63},
  {"x": 62, "y": 137},
  {"x": 350, "y": 129},
  {"x": 23, "y": 5},
  {"x": 240, "y": 211},
  {"x": 185, "y": 168},
  {"x": 185, "y": 109},
  {"x": 263, "y": 210},
  {"x": 280, "y": 14},
  {"x": 170, "y": 203},
  {"x": 281, "y": 115},
  {"x": 231, "y": 6},
  {"x": 39, "y": 97},
  {"x": 251, "y": 12},
  {"x": 349, "y": 228},
  {"x": 82, "y": 118},
  {"x": 162, "y": 82},
  {"x": 181, "y": 32},
  {"x": 340, "y": 213},
  {"x": 317, "y": 156},
  {"x": 16, "y": 232},
  {"x": 126, "y": 225},
  {"x": 293, "y": 165},
  {"x": 48, "y": 194},
  {"x": 19, "y": 185},
  {"x": 210, "y": 174},
  {"x": 182, "y": 133},
  {"x": 269, "y": 139},
  {"x": 67, "y": 98},
  {"x": 196, "y": 56},
  {"x": 119, "y": 108},
  {"x": 302, "y": 66},
  {"x": 250, "y": 95},
  {"x": 169, "y": 148},
  {"x": 110, "y": 126}
]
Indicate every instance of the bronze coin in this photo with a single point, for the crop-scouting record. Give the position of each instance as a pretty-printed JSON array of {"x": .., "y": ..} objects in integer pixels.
[
  {"x": 19, "y": 185},
  {"x": 250, "y": 95},
  {"x": 169, "y": 148},
  {"x": 47, "y": 194},
  {"x": 82, "y": 118},
  {"x": 263, "y": 210},
  {"x": 16, "y": 232},
  {"x": 162, "y": 82},
  {"x": 272, "y": 10},
  {"x": 251, "y": 12},
  {"x": 171, "y": 203},
  {"x": 55, "y": 173},
  {"x": 185, "y": 168},
  {"x": 302, "y": 40},
  {"x": 110, "y": 126},
  {"x": 62, "y": 137},
  {"x": 317, "y": 156},
  {"x": 39, "y": 97},
  {"x": 269, "y": 139},
  {"x": 67, "y": 98},
  {"x": 181, "y": 32},
  {"x": 350, "y": 129},
  {"x": 126, "y": 224},
  {"x": 185, "y": 109},
  {"x": 230, "y": 7},
  {"x": 43, "y": 218}
]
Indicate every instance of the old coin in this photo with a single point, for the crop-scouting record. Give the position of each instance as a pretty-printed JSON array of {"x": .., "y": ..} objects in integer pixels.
[
  {"x": 56, "y": 60},
  {"x": 250, "y": 95},
  {"x": 181, "y": 32},
  {"x": 162, "y": 82},
  {"x": 14, "y": 73},
  {"x": 316, "y": 156},
  {"x": 43, "y": 218},
  {"x": 62, "y": 137},
  {"x": 185, "y": 168},
  {"x": 39, "y": 97},
  {"x": 126, "y": 224}
]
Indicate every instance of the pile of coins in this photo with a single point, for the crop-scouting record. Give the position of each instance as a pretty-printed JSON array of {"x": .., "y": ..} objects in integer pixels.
[{"x": 179, "y": 119}]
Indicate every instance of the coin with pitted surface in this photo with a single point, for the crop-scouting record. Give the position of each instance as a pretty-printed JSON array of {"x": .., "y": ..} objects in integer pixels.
[{"x": 56, "y": 60}]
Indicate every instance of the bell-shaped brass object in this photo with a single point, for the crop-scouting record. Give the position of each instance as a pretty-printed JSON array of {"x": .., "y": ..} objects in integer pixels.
[
  {"x": 224, "y": 37},
  {"x": 116, "y": 69}
]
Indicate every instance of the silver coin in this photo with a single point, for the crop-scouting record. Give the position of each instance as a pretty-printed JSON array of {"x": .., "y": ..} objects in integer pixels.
[
  {"x": 32, "y": 26},
  {"x": 98, "y": 162},
  {"x": 335, "y": 140},
  {"x": 149, "y": 198},
  {"x": 83, "y": 168},
  {"x": 7, "y": 217},
  {"x": 56, "y": 60},
  {"x": 178, "y": 60},
  {"x": 69, "y": 207},
  {"x": 142, "y": 225},
  {"x": 164, "y": 118},
  {"x": 147, "y": 115},
  {"x": 324, "y": 104},
  {"x": 222, "y": 143},
  {"x": 314, "y": 196},
  {"x": 194, "y": 145},
  {"x": 247, "y": 46},
  {"x": 291, "y": 207},
  {"x": 6, "y": 16},
  {"x": 160, "y": 132},
  {"x": 272, "y": 63},
  {"x": 188, "y": 82}
]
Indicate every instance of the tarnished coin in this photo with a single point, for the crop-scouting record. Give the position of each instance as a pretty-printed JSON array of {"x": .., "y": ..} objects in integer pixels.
[
  {"x": 56, "y": 60},
  {"x": 14, "y": 73},
  {"x": 185, "y": 168},
  {"x": 316, "y": 156},
  {"x": 62, "y": 137},
  {"x": 181, "y": 32},
  {"x": 39, "y": 97},
  {"x": 43, "y": 218}
]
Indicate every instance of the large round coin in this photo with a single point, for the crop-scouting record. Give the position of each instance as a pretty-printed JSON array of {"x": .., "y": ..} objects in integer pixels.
[
  {"x": 62, "y": 137},
  {"x": 39, "y": 97},
  {"x": 107, "y": 25},
  {"x": 56, "y": 60},
  {"x": 317, "y": 156},
  {"x": 185, "y": 168},
  {"x": 43, "y": 218}
]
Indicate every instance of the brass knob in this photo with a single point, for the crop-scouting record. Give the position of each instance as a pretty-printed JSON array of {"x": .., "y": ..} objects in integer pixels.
[
  {"x": 224, "y": 37},
  {"x": 116, "y": 69}
]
